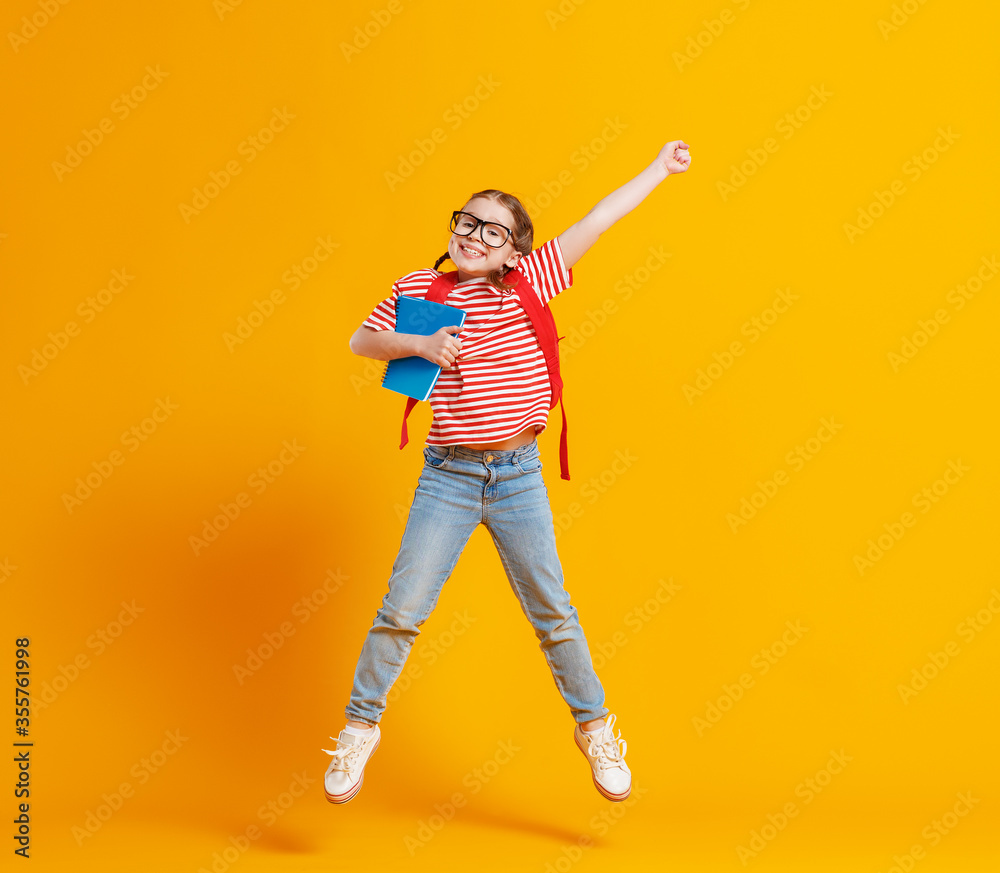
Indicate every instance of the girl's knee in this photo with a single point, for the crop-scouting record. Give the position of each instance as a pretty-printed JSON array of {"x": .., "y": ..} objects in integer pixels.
[{"x": 405, "y": 617}]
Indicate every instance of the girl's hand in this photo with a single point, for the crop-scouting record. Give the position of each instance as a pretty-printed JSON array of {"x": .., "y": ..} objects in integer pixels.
[
  {"x": 441, "y": 348},
  {"x": 674, "y": 157}
]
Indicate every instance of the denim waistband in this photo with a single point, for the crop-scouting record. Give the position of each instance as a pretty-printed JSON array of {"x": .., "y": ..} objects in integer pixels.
[{"x": 497, "y": 455}]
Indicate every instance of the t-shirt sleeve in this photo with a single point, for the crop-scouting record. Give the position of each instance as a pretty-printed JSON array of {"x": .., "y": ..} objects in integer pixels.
[
  {"x": 383, "y": 316},
  {"x": 546, "y": 270}
]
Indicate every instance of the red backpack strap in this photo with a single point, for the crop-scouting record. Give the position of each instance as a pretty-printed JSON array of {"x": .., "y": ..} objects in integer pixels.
[
  {"x": 563, "y": 444},
  {"x": 440, "y": 288},
  {"x": 410, "y": 403},
  {"x": 544, "y": 324}
]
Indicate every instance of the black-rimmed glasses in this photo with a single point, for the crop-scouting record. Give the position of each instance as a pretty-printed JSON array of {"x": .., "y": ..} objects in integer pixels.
[{"x": 493, "y": 234}]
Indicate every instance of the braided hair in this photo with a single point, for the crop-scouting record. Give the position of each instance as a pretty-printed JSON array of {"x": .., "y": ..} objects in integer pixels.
[{"x": 522, "y": 235}]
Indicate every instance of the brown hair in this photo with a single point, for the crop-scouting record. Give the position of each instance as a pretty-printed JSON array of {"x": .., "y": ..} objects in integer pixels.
[{"x": 522, "y": 236}]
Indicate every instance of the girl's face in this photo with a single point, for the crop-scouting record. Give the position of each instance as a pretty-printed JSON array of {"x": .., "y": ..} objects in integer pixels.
[{"x": 470, "y": 254}]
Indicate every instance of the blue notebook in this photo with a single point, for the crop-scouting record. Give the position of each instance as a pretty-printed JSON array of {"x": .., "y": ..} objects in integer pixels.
[{"x": 415, "y": 376}]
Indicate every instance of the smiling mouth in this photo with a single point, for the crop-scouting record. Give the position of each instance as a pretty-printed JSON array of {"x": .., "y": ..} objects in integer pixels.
[{"x": 471, "y": 252}]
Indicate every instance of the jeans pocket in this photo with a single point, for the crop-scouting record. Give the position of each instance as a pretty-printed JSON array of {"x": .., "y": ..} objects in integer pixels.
[
  {"x": 435, "y": 456},
  {"x": 530, "y": 464}
]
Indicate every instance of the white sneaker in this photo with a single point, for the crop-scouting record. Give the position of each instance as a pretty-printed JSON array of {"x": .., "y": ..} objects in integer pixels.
[
  {"x": 606, "y": 755},
  {"x": 346, "y": 773}
]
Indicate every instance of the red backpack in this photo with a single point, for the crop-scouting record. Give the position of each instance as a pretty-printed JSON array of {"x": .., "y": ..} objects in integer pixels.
[{"x": 544, "y": 324}]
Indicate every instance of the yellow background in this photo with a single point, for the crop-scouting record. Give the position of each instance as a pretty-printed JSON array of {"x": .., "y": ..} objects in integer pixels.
[{"x": 337, "y": 510}]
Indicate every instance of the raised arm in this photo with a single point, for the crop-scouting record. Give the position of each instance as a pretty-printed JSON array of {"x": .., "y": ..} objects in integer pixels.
[{"x": 576, "y": 240}]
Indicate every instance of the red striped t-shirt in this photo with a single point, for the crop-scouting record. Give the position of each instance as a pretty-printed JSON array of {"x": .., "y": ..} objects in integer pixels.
[{"x": 499, "y": 383}]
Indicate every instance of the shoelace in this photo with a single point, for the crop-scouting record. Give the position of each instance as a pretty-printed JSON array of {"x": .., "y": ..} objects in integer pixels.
[
  {"x": 344, "y": 758},
  {"x": 606, "y": 747}
]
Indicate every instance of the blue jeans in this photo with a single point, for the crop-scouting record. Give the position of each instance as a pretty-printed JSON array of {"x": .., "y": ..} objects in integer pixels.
[{"x": 458, "y": 490}]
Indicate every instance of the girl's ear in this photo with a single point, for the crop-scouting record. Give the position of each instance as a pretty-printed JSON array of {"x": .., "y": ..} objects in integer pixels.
[{"x": 513, "y": 259}]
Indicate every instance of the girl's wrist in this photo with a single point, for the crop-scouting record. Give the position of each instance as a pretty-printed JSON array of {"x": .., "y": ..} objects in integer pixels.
[{"x": 658, "y": 171}]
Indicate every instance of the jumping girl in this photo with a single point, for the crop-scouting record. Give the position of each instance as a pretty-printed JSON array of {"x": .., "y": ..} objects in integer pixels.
[{"x": 481, "y": 461}]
